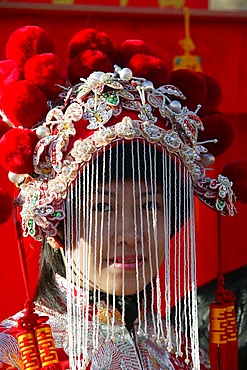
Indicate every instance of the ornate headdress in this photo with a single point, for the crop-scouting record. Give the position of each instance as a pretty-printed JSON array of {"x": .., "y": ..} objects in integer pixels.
[{"x": 67, "y": 152}]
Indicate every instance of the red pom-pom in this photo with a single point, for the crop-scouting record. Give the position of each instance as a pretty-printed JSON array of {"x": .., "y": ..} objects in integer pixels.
[
  {"x": 217, "y": 126},
  {"x": 129, "y": 48},
  {"x": 88, "y": 62},
  {"x": 237, "y": 173},
  {"x": 23, "y": 103},
  {"x": 204, "y": 111},
  {"x": 9, "y": 72},
  {"x": 214, "y": 92},
  {"x": 89, "y": 38},
  {"x": 46, "y": 71},
  {"x": 4, "y": 127},
  {"x": 150, "y": 68},
  {"x": 26, "y": 42},
  {"x": 192, "y": 85},
  {"x": 6, "y": 206},
  {"x": 16, "y": 150}
]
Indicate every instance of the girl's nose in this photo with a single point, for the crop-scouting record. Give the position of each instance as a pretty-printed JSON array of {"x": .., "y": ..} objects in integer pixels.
[{"x": 127, "y": 224}]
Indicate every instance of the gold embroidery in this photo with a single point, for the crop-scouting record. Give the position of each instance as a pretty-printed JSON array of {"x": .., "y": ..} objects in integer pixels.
[{"x": 105, "y": 316}]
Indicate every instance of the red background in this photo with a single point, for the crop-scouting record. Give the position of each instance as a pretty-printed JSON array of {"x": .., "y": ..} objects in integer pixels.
[{"x": 220, "y": 41}]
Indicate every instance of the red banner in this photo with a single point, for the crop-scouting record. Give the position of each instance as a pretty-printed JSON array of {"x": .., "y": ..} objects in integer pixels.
[{"x": 199, "y": 4}]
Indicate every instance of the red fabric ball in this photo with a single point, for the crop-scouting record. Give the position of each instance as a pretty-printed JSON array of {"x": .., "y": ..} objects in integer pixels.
[
  {"x": 89, "y": 38},
  {"x": 207, "y": 111},
  {"x": 87, "y": 62},
  {"x": 4, "y": 127},
  {"x": 23, "y": 103},
  {"x": 128, "y": 48},
  {"x": 6, "y": 206},
  {"x": 9, "y": 72},
  {"x": 16, "y": 150},
  {"x": 214, "y": 92},
  {"x": 237, "y": 173},
  {"x": 192, "y": 85},
  {"x": 150, "y": 68},
  {"x": 27, "y": 41},
  {"x": 46, "y": 71},
  {"x": 217, "y": 126}
]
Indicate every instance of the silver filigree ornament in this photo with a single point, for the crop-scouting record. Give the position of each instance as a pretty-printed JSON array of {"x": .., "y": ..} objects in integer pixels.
[
  {"x": 151, "y": 132},
  {"x": 97, "y": 113},
  {"x": 172, "y": 141}
]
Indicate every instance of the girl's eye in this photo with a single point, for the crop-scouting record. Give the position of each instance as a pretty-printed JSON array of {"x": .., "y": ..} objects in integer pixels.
[
  {"x": 101, "y": 207},
  {"x": 150, "y": 205}
]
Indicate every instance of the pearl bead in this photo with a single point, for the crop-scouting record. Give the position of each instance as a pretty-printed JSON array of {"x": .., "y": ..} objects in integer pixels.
[
  {"x": 148, "y": 85},
  {"x": 207, "y": 159},
  {"x": 96, "y": 76},
  {"x": 125, "y": 74},
  {"x": 169, "y": 348},
  {"x": 42, "y": 131},
  {"x": 175, "y": 106},
  {"x": 16, "y": 178}
]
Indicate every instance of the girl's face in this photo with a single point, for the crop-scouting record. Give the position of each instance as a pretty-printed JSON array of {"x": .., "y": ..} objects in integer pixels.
[{"x": 122, "y": 245}]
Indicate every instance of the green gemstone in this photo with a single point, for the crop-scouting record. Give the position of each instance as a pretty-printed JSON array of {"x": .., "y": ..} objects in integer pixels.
[
  {"x": 35, "y": 198},
  {"x": 57, "y": 214},
  {"x": 30, "y": 223}
]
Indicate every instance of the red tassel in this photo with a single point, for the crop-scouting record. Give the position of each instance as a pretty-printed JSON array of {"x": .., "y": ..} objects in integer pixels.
[
  {"x": 46, "y": 346},
  {"x": 232, "y": 337},
  {"x": 26, "y": 338},
  {"x": 223, "y": 346},
  {"x": 218, "y": 346},
  {"x": 34, "y": 337},
  {"x": 36, "y": 343},
  {"x": 28, "y": 351}
]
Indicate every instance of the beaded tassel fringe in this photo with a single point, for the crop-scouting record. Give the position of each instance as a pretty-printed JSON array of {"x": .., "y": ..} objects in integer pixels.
[{"x": 97, "y": 240}]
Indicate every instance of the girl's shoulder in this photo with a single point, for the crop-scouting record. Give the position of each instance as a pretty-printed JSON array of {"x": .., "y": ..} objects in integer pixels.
[
  {"x": 9, "y": 349},
  {"x": 10, "y": 330}
]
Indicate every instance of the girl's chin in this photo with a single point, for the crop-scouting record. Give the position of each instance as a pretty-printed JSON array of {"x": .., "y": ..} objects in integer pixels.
[{"x": 129, "y": 289}]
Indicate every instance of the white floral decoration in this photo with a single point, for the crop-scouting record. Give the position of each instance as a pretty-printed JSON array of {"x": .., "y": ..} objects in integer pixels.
[
  {"x": 83, "y": 150},
  {"x": 128, "y": 128}
]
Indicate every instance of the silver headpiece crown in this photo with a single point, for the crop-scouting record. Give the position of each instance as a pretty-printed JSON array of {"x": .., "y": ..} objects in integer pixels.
[{"x": 102, "y": 109}]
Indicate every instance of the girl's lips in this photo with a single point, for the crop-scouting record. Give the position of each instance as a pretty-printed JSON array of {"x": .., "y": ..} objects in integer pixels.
[{"x": 126, "y": 262}]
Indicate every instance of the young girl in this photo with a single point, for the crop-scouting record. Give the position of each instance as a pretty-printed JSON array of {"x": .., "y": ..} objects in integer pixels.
[{"x": 116, "y": 168}]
